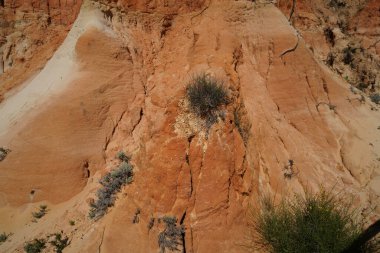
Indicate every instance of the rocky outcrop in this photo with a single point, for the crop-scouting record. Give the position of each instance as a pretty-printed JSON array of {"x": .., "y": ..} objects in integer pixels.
[
  {"x": 30, "y": 32},
  {"x": 161, "y": 6},
  {"x": 291, "y": 125},
  {"x": 343, "y": 34}
]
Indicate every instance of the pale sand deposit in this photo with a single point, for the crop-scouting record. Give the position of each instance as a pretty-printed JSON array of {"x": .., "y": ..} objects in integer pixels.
[{"x": 60, "y": 70}]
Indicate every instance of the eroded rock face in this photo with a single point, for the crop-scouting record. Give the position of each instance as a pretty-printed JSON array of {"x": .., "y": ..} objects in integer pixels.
[
  {"x": 343, "y": 34},
  {"x": 161, "y": 6},
  {"x": 208, "y": 183},
  {"x": 57, "y": 12},
  {"x": 30, "y": 32},
  {"x": 130, "y": 96}
]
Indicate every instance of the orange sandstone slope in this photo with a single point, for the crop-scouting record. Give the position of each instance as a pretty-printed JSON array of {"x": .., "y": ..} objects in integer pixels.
[
  {"x": 128, "y": 94},
  {"x": 30, "y": 32}
]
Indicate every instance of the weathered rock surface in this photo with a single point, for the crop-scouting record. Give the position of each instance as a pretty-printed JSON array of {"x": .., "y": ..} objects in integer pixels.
[
  {"x": 129, "y": 95},
  {"x": 344, "y": 34},
  {"x": 30, "y": 32}
]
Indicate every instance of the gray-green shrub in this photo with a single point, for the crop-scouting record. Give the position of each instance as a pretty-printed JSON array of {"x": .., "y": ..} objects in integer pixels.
[
  {"x": 375, "y": 98},
  {"x": 111, "y": 184},
  {"x": 172, "y": 235},
  {"x": 122, "y": 156}
]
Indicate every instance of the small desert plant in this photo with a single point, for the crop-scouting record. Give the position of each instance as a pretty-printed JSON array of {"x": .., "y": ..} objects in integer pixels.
[
  {"x": 35, "y": 246},
  {"x": 343, "y": 25},
  {"x": 136, "y": 217},
  {"x": 337, "y": 4},
  {"x": 112, "y": 183},
  {"x": 320, "y": 223},
  {"x": 330, "y": 59},
  {"x": 206, "y": 95},
  {"x": 172, "y": 235},
  {"x": 3, "y": 153},
  {"x": 72, "y": 223},
  {"x": 375, "y": 98},
  {"x": 123, "y": 157},
  {"x": 59, "y": 242},
  {"x": 329, "y": 35},
  {"x": 41, "y": 212},
  {"x": 3, "y": 237},
  {"x": 151, "y": 223},
  {"x": 348, "y": 56}
]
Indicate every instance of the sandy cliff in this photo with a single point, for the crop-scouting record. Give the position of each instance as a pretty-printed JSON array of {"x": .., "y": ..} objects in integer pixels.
[{"x": 124, "y": 89}]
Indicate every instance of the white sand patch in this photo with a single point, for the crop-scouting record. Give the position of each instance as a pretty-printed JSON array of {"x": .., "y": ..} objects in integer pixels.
[{"x": 59, "y": 71}]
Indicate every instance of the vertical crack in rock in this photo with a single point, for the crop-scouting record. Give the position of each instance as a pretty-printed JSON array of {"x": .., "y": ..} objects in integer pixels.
[
  {"x": 310, "y": 89},
  {"x": 109, "y": 138},
  {"x": 188, "y": 163},
  {"x": 181, "y": 222},
  {"x": 270, "y": 61},
  {"x": 237, "y": 58},
  {"x": 292, "y": 10},
  {"x": 101, "y": 241},
  {"x": 138, "y": 121},
  {"x": 325, "y": 88}
]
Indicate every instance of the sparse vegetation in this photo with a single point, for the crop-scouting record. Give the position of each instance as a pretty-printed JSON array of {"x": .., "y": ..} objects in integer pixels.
[
  {"x": 59, "y": 242},
  {"x": 3, "y": 237},
  {"x": 136, "y": 217},
  {"x": 320, "y": 223},
  {"x": 123, "y": 157},
  {"x": 330, "y": 59},
  {"x": 111, "y": 184},
  {"x": 41, "y": 213},
  {"x": 151, "y": 223},
  {"x": 348, "y": 56},
  {"x": 289, "y": 170},
  {"x": 343, "y": 25},
  {"x": 35, "y": 246},
  {"x": 206, "y": 95},
  {"x": 171, "y": 237},
  {"x": 72, "y": 223},
  {"x": 329, "y": 35},
  {"x": 375, "y": 97},
  {"x": 337, "y": 4},
  {"x": 3, "y": 153}
]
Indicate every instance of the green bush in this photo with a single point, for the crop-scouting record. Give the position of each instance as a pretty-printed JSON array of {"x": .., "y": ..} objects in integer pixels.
[
  {"x": 206, "y": 95},
  {"x": 320, "y": 223},
  {"x": 112, "y": 183},
  {"x": 35, "y": 246}
]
